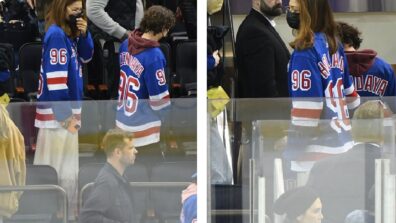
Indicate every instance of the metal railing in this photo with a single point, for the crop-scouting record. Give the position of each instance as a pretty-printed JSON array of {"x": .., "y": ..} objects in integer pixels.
[{"x": 44, "y": 187}]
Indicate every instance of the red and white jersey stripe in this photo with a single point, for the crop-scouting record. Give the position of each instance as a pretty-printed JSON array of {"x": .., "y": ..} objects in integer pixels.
[{"x": 145, "y": 134}]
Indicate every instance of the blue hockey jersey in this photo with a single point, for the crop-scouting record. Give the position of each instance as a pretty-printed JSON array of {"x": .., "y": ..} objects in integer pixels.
[
  {"x": 142, "y": 91},
  {"x": 60, "y": 78},
  {"x": 318, "y": 84},
  {"x": 372, "y": 75},
  {"x": 188, "y": 213},
  {"x": 189, "y": 210}
]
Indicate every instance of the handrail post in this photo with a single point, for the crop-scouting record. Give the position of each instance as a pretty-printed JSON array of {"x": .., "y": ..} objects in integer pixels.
[
  {"x": 251, "y": 189},
  {"x": 261, "y": 200}
]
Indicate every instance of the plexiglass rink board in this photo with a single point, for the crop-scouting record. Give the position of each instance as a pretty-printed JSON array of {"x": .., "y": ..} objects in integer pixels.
[
  {"x": 343, "y": 163},
  {"x": 164, "y": 134}
]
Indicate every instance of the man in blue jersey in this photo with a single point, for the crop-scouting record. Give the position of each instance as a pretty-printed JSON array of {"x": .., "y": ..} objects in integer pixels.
[
  {"x": 372, "y": 75},
  {"x": 143, "y": 89},
  {"x": 110, "y": 199}
]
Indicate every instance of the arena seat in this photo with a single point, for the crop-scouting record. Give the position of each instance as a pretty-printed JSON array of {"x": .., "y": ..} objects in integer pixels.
[
  {"x": 171, "y": 178},
  {"x": 29, "y": 68},
  {"x": 186, "y": 65},
  {"x": 9, "y": 49},
  {"x": 227, "y": 204},
  {"x": 38, "y": 206}
]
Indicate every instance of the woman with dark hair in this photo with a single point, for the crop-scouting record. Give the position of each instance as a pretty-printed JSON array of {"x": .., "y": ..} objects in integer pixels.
[
  {"x": 67, "y": 44},
  {"x": 299, "y": 205},
  {"x": 317, "y": 69}
]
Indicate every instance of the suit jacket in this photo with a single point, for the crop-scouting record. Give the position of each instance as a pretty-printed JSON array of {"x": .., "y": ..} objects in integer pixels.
[
  {"x": 344, "y": 181},
  {"x": 262, "y": 59}
]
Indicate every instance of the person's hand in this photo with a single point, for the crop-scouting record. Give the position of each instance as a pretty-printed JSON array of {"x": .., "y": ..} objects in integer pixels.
[
  {"x": 82, "y": 26},
  {"x": 71, "y": 124},
  {"x": 126, "y": 35},
  {"x": 31, "y": 3},
  {"x": 216, "y": 56}
]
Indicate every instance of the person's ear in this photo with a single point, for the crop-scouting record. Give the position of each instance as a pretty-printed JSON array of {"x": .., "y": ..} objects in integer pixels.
[
  {"x": 165, "y": 32},
  {"x": 117, "y": 151},
  {"x": 256, "y": 3}
]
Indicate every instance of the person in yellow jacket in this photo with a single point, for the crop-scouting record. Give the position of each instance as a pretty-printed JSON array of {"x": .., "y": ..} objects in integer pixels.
[{"x": 12, "y": 155}]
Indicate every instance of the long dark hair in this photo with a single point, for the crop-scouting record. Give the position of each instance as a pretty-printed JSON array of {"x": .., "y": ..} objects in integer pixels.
[
  {"x": 349, "y": 35},
  {"x": 57, "y": 15},
  {"x": 315, "y": 16}
]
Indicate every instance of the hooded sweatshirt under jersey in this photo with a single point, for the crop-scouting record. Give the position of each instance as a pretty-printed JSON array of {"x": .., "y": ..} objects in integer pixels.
[
  {"x": 372, "y": 75},
  {"x": 142, "y": 90}
]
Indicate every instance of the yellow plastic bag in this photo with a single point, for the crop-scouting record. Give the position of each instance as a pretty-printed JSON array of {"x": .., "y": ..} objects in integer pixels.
[
  {"x": 214, "y": 6},
  {"x": 218, "y": 100},
  {"x": 4, "y": 100}
]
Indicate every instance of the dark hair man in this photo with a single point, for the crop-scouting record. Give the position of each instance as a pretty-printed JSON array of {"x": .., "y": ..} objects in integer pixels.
[
  {"x": 143, "y": 87},
  {"x": 372, "y": 75},
  {"x": 110, "y": 199},
  {"x": 261, "y": 54}
]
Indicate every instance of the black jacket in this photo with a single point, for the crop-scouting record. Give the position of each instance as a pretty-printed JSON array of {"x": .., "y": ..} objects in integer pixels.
[
  {"x": 110, "y": 199},
  {"x": 344, "y": 181},
  {"x": 262, "y": 59}
]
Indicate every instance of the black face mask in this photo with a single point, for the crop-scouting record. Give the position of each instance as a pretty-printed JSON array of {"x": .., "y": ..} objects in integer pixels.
[
  {"x": 293, "y": 19},
  {"x": 73, "y": 20}
]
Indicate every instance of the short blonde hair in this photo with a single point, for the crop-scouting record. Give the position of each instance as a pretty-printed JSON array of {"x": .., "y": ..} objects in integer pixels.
[
  {"x": 368, "y": 122},
  {"x": 113, "y": 139}
]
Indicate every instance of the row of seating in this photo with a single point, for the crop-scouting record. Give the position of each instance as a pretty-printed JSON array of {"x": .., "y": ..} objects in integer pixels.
[
  {"x": 156, "y": 192},
  {"x": 180, "y": 71}
]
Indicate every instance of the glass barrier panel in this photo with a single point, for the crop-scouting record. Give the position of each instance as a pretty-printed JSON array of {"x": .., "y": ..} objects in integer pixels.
[
  {"x": 129, "y": 161},
  {"x": 304, "y": 160}
]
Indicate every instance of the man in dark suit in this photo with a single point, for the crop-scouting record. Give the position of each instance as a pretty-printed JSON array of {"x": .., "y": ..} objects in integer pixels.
[
  {"x": 344, "y": 181},
  {"x": 261, "y": 54}
]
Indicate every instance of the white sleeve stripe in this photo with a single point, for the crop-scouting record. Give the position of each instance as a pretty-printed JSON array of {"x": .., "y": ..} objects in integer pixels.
[
  {"x": 56, "y": 74},
  {"x": 143, "y": 127},
  {"x": 330, "y": 150},
  {"x": 307, "y": 104},
  {"x": 54, "y": 87},
  {"x": 160, "y": 96},
  {"x": 76, "y": 110},
  {"x": 160, "y": 106},
  {"x": 349, "y": 90},
  {"x": 354, "y": 104},
  {"x": 305, "y": 122},
  {"x": 45, "y": 111}
]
